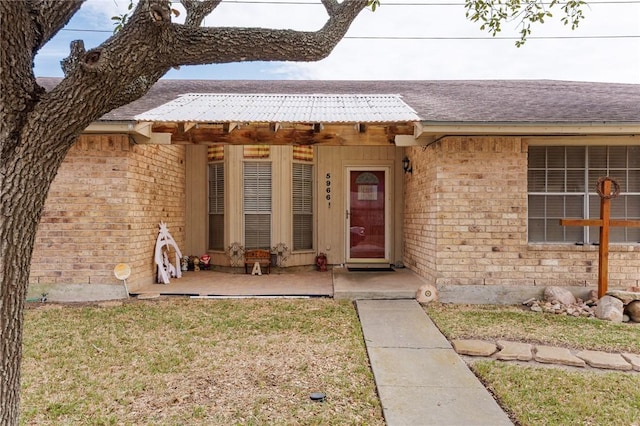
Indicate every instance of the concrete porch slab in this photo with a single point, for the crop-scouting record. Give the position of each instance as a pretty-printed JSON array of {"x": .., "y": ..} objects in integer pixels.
[
  {"x": 222, "y": 284},
  {"x": 400, "y": 283}
]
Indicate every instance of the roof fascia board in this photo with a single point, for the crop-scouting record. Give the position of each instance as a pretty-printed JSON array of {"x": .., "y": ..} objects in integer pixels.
[
  {"x": 583, "y": 140},
  {"x": 461, "y": 128},
  {"x": 425, "y": 133},
  {"x": 141, "y": 132}
]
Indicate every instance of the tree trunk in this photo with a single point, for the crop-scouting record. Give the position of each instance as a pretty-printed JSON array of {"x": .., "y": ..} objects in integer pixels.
[{"x": 25, "y": 178}]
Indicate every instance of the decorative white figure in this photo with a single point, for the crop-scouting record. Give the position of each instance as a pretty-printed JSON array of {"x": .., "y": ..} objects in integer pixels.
[{"x": 165, "y": 268}]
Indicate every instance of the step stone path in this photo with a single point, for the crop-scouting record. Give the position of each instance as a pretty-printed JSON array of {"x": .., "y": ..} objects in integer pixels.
[{"x": 504, "y": 350}]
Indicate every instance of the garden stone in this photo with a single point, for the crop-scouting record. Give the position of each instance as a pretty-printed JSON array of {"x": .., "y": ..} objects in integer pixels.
[
  {"x": 633, "y": 359},
  {"x": 555, "y": 294},
  {"x": 426, "y": 293},
  {"x": 610, "y": 308},
  {"x": 514, "y": 351},
  {"x": 553, "y": 355},
  {"x": 625, "y": 295},
  {"x": 633, "y": 310},
  {"x": 599, "y": 359},
  {"x": 474, "y": 347}
]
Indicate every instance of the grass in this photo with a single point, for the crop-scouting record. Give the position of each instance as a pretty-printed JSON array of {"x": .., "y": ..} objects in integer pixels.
[
  {"x": 182, "y": 361},
  {"x": 255, "y": 362},
  {"x": 549, "y": 396},
  {"x": 544, "y": 396},
  {"x": 514, "y": 323}
]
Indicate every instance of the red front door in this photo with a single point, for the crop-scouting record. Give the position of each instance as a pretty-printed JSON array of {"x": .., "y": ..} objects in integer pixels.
[{"x": 367, "y": 215}]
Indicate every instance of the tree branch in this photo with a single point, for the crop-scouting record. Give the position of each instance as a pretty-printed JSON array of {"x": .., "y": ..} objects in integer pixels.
[
  {"x": 198, "y": 10},
  {"x": 196, "y": 46},
  {"x": 50, "y": 16},
  {"x": 132, "y": 60},
  {"x": 331, "y": 6}
]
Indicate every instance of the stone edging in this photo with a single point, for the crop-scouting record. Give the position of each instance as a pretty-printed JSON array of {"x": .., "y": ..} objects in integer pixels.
[{"x": 504, "y": 350}]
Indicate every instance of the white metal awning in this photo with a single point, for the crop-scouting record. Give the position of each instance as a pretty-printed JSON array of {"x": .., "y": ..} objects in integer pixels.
[{"x": 283, "y": 108}]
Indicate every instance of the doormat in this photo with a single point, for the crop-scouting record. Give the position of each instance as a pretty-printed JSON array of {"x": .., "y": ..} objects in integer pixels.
[{"x": 370, "y": 269}]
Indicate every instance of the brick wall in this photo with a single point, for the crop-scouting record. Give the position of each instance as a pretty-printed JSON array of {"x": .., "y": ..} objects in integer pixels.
[
  {"x": 466, "y": 222},
  {"x": 156, "y": 188},
  {"x": 104, "y": 207},
  {"x": 420, "y": 209}
]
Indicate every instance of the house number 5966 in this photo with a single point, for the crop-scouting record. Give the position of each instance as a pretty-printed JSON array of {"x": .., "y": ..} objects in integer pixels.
[{"x": 328, "y": 189}]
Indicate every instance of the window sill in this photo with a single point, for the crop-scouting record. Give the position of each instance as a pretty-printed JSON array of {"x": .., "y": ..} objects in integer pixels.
[{"x": 615, "y": 247}]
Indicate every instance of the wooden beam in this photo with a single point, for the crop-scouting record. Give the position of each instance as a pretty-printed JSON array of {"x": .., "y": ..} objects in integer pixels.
[
  {"x": 300, "y": 134},
  {"x": 188, "y": 126}
]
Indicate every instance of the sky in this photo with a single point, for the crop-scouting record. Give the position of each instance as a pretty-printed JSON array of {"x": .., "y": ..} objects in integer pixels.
[{"x": 415, "y": 40}]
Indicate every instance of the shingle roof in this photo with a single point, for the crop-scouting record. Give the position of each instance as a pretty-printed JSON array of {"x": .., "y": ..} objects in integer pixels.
[
  {"x": 482, "y": 101},
  {"x": 265, "y": 108}
]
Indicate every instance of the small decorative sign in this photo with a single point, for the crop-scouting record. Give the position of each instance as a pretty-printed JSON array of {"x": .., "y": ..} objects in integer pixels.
[{"x": 368, "y": 192}]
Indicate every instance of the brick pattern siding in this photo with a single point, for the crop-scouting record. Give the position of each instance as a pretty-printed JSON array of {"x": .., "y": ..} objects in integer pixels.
[
  {"x": 104, "y": 207},
  {"x": 466, "y": 222}
]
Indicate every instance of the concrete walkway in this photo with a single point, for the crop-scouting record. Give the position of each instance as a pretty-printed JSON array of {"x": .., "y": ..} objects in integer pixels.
[{"x": 420, "y": 378}]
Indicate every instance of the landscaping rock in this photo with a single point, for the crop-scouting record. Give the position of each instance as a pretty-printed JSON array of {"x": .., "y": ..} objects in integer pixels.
[
  {"x": 633, "y": 310},
  {"x": 555, "y": 294},
  {"x": 552, "y": 355},
  {"x": 610, "y": 308},
  {"x": 514, "y": 351},
  {"x": 599, "y": 359},
  {"x": 578, "y": 309},
  {"x": 632, "y": 359},
  {"x": 474, "y": 347},
  {"x": 426, "y": 293},
  {"x": 624, "y": 295}
]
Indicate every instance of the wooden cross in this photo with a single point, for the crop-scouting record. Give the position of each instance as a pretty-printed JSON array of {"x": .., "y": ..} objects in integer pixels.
[{"x": 604, "y": 189}]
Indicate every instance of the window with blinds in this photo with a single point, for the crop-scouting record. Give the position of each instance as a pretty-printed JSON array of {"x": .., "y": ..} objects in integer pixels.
[
  {"x": 257, "y": 205},
  {"x": 302, "y": 206},
  {"x": 562, "y": 184},
  {"x": 216, "y": 206}
]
